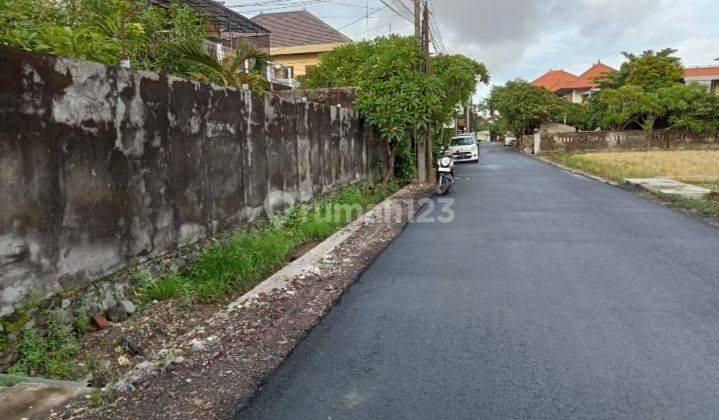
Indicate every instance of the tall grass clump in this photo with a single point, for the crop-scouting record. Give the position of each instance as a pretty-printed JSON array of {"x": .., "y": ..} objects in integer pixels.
[
  {"x": 248, "y": 256},
  {"x": 52, "y": 355}
]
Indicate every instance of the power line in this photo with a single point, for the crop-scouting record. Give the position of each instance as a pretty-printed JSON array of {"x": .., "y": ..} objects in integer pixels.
[
  {"x": 259, "y": 3},
  {"x": 276, "y": 7},
  {"x": 283, "y": 4},
  {"x": 355, "y": 17},
  {"x": 406, "y": 12},
  {"x": 394, "y": 10},
  {"x": 337, "y": 29},
  {"x": 441, "y": 29},
  {"x": 395, "y": 29},
  {"x": 390, "y": 30}
]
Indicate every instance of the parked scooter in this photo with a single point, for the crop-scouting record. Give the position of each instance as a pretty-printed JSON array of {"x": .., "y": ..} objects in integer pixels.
[{"x": 445, "y": 173}]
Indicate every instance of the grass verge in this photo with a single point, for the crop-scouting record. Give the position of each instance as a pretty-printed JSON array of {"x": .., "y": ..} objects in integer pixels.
[
  {"x": 237, "y": 264},
  {"x": 698, "y": 167},
  {"x": 52, "y": 355},
  {"x": 221, "y": 271},
  {"x": 686, "y": 166}
]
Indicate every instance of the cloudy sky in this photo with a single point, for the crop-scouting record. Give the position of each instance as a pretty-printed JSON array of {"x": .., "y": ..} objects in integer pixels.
[{"x": 525, "y": 38}]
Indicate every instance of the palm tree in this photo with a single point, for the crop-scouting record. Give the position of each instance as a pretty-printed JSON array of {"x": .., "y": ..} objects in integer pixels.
[{"x": 245, "y": 65}]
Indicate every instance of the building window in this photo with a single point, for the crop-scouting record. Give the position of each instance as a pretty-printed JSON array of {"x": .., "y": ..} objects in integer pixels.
[{"x": 282, "y": 72}]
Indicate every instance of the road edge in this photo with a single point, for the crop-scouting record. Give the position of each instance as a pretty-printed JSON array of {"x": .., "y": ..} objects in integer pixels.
[
  {"x": 310, "y": 264},
  {"x": 641, "y": 191},
  {"x": 313, "y": 257},
  {"x": 576, "y": 171}
]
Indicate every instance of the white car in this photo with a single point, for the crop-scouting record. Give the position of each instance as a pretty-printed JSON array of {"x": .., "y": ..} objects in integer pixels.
[
  {"x": 464, "y": 148},
  {"x": 510, "y": 139}
]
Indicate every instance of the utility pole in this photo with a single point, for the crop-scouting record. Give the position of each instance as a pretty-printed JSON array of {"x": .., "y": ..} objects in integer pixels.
[
  {"x": 419, "y": 143},
  {"x": 417, "y": 23},
  {"x": 469, "y": 115},
  {"x": 428, "y": 71}
]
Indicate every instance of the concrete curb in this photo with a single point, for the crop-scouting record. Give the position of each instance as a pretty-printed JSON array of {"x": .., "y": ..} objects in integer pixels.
[
  {"x": 10, "y": 380},
  {"x": 669, "y": 187},
  {"x": 576, "y": 171},
  {"x": 310, "y": 260}
]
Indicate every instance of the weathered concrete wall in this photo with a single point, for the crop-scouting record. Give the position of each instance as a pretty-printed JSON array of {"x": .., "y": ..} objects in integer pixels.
[
  {"x": 104, "y": 167},
  {"x": 624, "y": 140},
  {"x": 343, "y": 97}
]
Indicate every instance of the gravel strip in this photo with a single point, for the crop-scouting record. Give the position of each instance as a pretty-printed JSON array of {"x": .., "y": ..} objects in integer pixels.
[{"x": 218, "y": 367}]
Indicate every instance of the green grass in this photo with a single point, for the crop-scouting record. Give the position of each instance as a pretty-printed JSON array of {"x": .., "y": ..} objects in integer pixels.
[
  {"x": 100, "y": 397},
  {"x": 231, "y": 266},
  {"x": 51, "y": 356},
  {"x": 240, "y": 262},
  {"x": 704, "y": 206},
  {"x": 607, "y": 170},
  {"x": 82, "y": 318}
]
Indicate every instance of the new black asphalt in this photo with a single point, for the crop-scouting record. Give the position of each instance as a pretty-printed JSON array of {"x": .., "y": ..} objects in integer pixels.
[{"x": 549, "y": 296}]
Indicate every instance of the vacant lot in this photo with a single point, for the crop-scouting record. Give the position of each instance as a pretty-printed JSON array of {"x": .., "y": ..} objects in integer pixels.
[{"x": 699, "y": 167}]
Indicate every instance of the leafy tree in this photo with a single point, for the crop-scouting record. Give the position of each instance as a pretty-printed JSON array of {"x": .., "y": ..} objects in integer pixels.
[
  {"x": 689, "y": 107},
  {"x": 89, "y": 29},
  {"x": 339, "y": 67},
  {"x": 647, "y": 91},
  {"x": 628, "y": 104},
  {"x": 525, "y": 107},
  {"x": 44, "y": 25},
  {"x": 572, "y": 114},
  {"x": 650, "y": 70},
  {"x": 458, "y": 77},
  {"x": 152, "y": 36},
  {"x": 394, "y": 96},
  {"x": 82, "y": 43}
]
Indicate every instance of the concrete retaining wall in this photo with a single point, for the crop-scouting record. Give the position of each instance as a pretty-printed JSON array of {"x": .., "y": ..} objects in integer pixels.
[
  {"x": 103, "y": 167},
  {"x": 624, "y": 140},
  {"x": 344, "y": 97}
]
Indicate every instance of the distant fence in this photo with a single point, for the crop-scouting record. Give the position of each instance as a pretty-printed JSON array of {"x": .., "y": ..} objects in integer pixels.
[{"x": 585, "y": 141}]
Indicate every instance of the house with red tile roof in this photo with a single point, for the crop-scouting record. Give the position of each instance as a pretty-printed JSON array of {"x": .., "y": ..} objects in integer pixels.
[
  {"x": 570, "y": 87},
  {"x": 707, "y": 76},
  {"x": 555, "y": 80}
]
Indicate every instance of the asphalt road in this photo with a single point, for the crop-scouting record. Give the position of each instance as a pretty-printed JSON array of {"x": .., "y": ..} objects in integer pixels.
[{"x": 549, "y": 296}]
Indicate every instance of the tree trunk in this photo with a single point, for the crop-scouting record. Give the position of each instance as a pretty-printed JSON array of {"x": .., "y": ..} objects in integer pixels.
[{"x": 390, "y": 169}]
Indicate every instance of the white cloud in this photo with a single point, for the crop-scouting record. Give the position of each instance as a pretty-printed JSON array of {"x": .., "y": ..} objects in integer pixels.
[{"x": 525, "y": 38}]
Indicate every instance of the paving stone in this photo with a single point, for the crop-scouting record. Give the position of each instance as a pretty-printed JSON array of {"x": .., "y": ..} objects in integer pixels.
[{"x": 669, "y": 186}]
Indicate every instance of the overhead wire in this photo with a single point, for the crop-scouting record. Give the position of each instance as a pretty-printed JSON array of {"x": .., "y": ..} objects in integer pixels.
[
  {"x": 397, "y": 7},
  {"x": 337, "y": 29},
  {"x": 440, "y": 28}
]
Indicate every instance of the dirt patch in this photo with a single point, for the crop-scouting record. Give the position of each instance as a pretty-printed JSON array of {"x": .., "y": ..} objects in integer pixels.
[
  {"x": 303, "y": 250},
  {"x": 155, "y": 327},
  {"x": 216, "y": 368}
]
